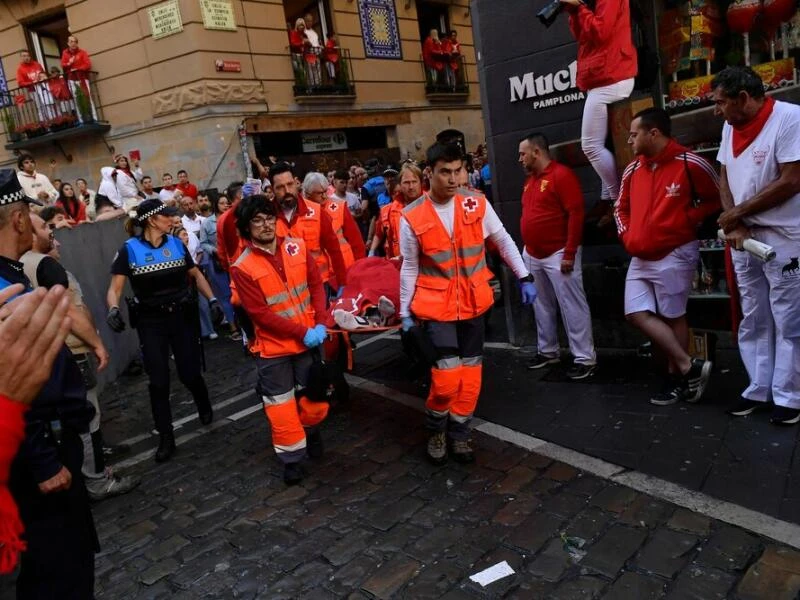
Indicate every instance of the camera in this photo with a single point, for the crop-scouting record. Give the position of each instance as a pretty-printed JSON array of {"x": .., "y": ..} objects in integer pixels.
[{"x": 549, "y": 12}]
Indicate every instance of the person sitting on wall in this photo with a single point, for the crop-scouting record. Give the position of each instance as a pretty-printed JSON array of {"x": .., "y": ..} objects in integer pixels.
[{"x": 607, "y": 66}]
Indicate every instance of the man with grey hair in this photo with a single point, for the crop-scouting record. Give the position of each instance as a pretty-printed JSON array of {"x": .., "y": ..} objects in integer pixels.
[
  {"x": 347, "y": 232},
  {"x": 760, "y": 194}
]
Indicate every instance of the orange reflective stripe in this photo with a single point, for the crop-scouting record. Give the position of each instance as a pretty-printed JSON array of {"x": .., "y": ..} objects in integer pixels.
[{"x": 336, "y": 209}]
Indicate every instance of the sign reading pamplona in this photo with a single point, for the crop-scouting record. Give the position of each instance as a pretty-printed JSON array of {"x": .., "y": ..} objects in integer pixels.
[{"x": 549, "y": 89}]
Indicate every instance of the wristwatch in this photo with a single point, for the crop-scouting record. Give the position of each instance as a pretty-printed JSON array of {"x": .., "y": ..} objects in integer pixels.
[{"x": 527, "y": 279}]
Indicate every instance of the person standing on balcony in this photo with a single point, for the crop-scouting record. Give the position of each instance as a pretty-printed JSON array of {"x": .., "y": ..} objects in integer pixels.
[
  {"x": 607, "y": 66},
  {"x": 28, "y": 70},
  {"x": 432, "y": 56},
  {"x": 34, "y": 184},
  {"x": 311, "y": 51},
  {"x": 451, "y": 49},
  {"x": 126, "y": 181},
  {"x": 296, "y": 42},
  {"x": 77, "y": 66},
  {"x": 331, "y": 54}
]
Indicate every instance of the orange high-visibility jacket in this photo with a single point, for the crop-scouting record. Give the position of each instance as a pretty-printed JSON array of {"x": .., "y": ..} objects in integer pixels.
[
  {"x": 390, "y": 222},
  {"x": 453, "y": 279},
  {"x": 290, "y": 299},
  {"x": 308, "y": 227},
  {"x": 336, "y": 208}
]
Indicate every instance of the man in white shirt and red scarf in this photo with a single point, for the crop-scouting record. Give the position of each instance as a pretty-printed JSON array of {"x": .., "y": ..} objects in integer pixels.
[
  {"x": 760, "y": 193},
  {"x": 444, "y": 283}
]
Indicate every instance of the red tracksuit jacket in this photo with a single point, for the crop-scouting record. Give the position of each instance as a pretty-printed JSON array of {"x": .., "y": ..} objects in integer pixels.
[{"x": 655, "y": 212}]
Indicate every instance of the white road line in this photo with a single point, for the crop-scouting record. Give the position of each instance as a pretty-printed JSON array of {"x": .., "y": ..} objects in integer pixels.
[
  {"x": 391, "y": 335},
  {"x": 183, "y": 420},
  {"x": 771, "y": 527},
  {"x": 765, "y": 525},
  {"x": 142, "y": 456}
]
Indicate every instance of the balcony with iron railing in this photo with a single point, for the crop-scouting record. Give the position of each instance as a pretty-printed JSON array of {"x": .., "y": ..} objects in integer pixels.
[
  {"x": 323, "y": 74},
  {"x": 447, "y": 83},
  {"x": 51, "y": 110}
]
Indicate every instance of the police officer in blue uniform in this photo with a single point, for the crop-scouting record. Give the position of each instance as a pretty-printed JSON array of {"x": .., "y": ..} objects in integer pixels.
[
  {"x": 163, "y": 312},
  {"x": 45, "y": 478}
]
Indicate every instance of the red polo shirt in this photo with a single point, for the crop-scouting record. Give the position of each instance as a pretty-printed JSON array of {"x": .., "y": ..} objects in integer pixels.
[{"x": 552, "y": 212}]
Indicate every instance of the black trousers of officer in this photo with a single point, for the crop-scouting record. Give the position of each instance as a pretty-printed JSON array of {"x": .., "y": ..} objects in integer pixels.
[
  {"x": 179, "y": 330},
  {"x": 59, "y": 531}
]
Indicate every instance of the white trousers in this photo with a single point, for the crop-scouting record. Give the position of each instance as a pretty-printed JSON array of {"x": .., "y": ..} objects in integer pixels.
[
  {"x": 594, "y": 130},
  {"x": 769, "y": 334},
  {"x": 561, "y": 291}
]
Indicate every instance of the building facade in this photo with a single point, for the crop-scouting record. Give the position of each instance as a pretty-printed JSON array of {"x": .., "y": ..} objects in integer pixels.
[{"x": 176, "y": 82}]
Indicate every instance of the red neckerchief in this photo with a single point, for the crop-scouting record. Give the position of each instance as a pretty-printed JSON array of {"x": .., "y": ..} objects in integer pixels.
[
  {"x": 743, "y": 135},
  {"x": 126, "y": 171}
]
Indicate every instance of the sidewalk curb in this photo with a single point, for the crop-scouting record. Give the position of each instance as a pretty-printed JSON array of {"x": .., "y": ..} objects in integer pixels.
[{"x": 756, "y": 522}]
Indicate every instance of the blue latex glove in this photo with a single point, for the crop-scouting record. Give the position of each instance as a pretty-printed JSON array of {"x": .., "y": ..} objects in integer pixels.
[
  {"x": 322, "y": 333},
  {"x": 250, "y": 189},
  {"x": 528, "y": 291},
  {"x": 407, "y": 323},
  {"x": 311, "y": 339},
  {"x": 340, "y": 291}
]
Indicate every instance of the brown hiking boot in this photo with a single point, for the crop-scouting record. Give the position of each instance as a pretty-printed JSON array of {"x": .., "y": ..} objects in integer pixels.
[
  {"x": 437, "y": 448},
  {"x": 462, "y": 452}
]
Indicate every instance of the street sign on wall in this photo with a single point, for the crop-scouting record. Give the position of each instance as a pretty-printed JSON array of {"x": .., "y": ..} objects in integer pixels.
[
  {"x": 323, "y": 141},
  {"x": 165, "y": 19}
]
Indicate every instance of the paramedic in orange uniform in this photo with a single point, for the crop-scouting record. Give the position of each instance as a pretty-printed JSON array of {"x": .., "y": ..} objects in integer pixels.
[
  {"x": 280, "y": 288},
  {"x": 444, "y": 284}
]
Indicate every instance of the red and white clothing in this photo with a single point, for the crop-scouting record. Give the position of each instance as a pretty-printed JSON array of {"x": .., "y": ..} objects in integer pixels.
[
  {"x": 552, "y": 212},
  {"x": 769, "y": 333},
  {"x": 76, "y": 63},
  {"x": 409, "y": 248},
  {"x": 552, "y": 227},
  {"x": 188, "y": 189},
  {"x": 28, "y": 73},
  {"x": 655, "y": 212},
  {"x": 127, "y": 188},
  {"x": 657, "y": 219},
  {"x": 606, "y": 67},
  {"x": 36, "y": 183},
  {"x": 167, "y": 193}
]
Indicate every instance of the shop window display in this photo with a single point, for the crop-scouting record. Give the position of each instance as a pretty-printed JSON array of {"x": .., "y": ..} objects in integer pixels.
[{"x": 700, "y": 37}]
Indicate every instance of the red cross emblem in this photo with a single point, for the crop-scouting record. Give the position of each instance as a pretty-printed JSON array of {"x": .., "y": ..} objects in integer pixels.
[
  {"x": 333, "y": 206},
  {"x": 470, "y": 204},
  {"x": 310, "y": 212},
  {"x": 292, "y": 249}
]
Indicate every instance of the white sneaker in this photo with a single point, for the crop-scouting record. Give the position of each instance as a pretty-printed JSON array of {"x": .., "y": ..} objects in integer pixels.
[
  {"x": 386, "y": 310},
  {"x": 213, "y": 336},
  {"x": 349, "y": 321},
  {"x": 109, "y": 485}
]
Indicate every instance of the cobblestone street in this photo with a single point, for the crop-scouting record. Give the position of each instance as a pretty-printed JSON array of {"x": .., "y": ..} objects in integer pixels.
[{"x": 374, "y": 520}]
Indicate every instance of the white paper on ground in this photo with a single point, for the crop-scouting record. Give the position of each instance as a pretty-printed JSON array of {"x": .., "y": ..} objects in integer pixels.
[{"x": 493, "y": 573}]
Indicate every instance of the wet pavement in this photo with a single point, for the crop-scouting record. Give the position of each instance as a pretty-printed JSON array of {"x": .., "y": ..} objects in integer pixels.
[
  {"x": 374, "y": 520},
  {"x": 747, "y": 461}
]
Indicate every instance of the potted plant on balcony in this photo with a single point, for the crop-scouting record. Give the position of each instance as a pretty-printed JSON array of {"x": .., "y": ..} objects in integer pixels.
[
  {"x": 10, "y": 124},
  {"x": 84, "y": 105},
  {"x": 61, "y": 122},
  {"x": 32, "y": 130}
]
